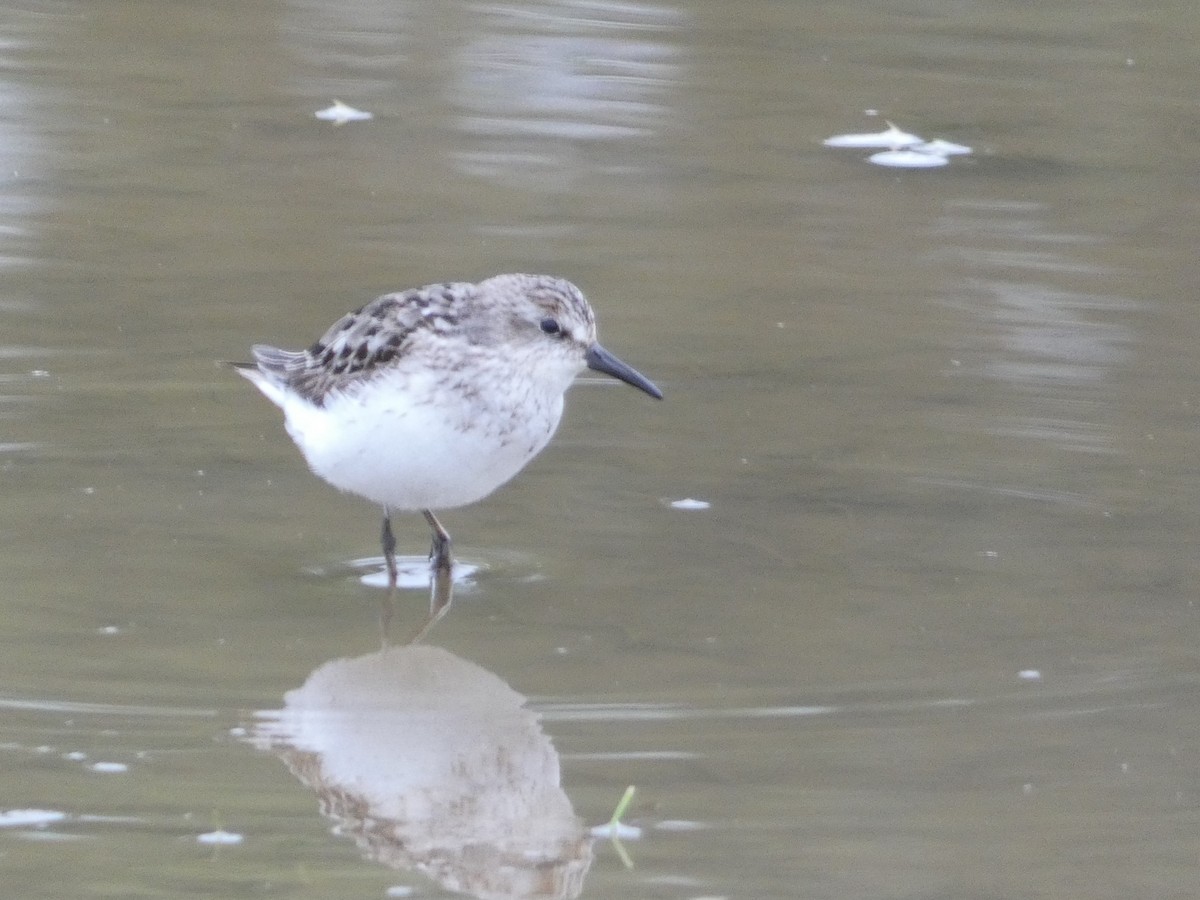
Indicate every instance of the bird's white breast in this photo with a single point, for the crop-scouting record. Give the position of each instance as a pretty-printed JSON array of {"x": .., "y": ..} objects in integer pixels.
[{"x": 415, "y": 441}]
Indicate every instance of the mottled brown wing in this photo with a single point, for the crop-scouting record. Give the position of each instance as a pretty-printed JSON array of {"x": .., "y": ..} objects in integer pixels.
[{"x": 362, "y": 341}]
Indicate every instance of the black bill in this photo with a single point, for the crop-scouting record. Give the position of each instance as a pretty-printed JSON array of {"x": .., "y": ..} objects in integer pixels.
[{"x": 602, "y": 361}]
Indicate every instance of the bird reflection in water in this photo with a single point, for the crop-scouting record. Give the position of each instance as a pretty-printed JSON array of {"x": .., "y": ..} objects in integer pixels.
[{"x": 431, "y": 763}]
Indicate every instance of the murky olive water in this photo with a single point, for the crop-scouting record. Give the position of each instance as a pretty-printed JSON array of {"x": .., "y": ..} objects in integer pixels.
[{"x": 935, "y": 634}]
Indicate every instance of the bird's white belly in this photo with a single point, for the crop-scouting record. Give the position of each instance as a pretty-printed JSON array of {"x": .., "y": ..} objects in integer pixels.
[{"x": 435, "y": 455}]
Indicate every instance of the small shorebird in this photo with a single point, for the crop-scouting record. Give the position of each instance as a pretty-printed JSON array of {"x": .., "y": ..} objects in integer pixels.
[{"x": 432, "y": 398}]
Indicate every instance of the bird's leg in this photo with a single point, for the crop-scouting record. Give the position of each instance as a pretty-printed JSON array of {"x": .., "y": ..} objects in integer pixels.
[
  {"x": 439, "y": 554},
  {"x": 388, "y": 604},
  {"x": 389, "y": 549}
]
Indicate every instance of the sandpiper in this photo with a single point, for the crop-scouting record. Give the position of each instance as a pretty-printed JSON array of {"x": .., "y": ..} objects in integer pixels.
[{"x": 432, "y": 398}]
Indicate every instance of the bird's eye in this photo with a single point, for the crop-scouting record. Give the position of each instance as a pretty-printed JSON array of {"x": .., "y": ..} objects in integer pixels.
[{"x": 550, "y": 326}]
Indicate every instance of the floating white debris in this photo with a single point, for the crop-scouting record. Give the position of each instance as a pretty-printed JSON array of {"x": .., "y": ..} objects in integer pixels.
[
  {"x": 340, "y": 113},
  {"x": 220, "y": 838},
  {"x": 399, "y": 890},
  {"x": 689, "y": 503},
  {"x": 902, "y": 150},
  {"x": 30, "y": 818},
  {"x": 109, "y": 768},
  {"x": 617, "y": 831},
  {"x": 893, "y": 138},
  {"x": 908, "y": 159},
  {"x": 942, "y": 148},
  {"x": 108, "y": 629},
  {"x": 75, "y": 756},
  {"x": 680, "y": 825},
  {"x": 1029, "y": 675}
]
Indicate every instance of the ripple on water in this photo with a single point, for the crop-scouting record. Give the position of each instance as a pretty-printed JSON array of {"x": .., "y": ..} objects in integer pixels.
[{"x": 413, "y": 571}]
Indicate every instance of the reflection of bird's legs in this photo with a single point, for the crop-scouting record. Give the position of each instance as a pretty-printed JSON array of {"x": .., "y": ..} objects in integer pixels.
[
  {"x": 440, "y": 552},
  {"x": 441, "y": 592},
  {"x": 386, "y": 606}
]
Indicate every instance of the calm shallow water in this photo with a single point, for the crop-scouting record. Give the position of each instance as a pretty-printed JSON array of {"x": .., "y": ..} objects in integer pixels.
[{"x": 945, "y": 422}]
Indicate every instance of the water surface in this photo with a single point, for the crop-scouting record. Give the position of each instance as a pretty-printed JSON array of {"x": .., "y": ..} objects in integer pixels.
[{"x": 934, "y": 636}]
